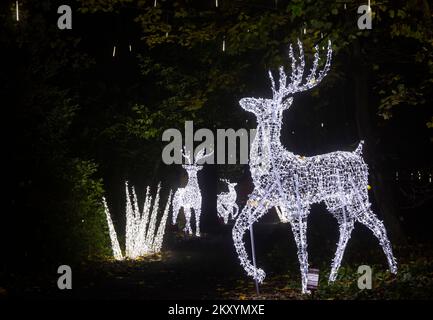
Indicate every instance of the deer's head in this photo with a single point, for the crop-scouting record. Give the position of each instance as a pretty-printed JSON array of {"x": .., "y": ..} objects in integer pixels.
[
  {"x": 230, "y": 185},
  {"x": 282, "y": 97},
  {"x": 193, "y": 165}
]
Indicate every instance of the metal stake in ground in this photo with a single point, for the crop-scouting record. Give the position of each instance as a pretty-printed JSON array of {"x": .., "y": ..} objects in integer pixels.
[{"x": 253, "y": 249}]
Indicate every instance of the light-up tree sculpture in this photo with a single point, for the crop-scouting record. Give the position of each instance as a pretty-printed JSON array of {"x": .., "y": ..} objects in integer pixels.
[
  {"x": 293, "y": 183},
  {"x": 226, "y": 202},
  {"x": 189, "y": 197},
  {"x": 143, "y": 236}
]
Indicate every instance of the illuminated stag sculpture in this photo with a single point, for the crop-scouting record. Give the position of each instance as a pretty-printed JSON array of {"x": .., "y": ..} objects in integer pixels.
[
  {"x": 189, "y": 197},
  {"x": 292, "y": 183},
  {"x": 226, "y": 202}
]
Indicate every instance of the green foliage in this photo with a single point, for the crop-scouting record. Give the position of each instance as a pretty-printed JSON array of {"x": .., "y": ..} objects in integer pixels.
[
  {"x": 82, "y": 224},
  {"x": 185, "y": 54}
]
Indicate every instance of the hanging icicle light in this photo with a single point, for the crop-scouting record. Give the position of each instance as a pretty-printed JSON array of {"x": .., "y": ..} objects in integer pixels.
[
  {"x": 293, "y": 183},
  {"x": 216, "y": 3},
  {"x": 17, "y": 11},
  {"x": 224, "y": 44},
  {"x": 114, "y": 51},
  {"x": 155, "y": 3},
  {"x": 130, "y": 48},
  {"x": 142, "y": 234}
]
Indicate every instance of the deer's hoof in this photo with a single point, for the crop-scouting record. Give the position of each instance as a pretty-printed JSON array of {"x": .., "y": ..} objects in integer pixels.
[
  {"x": 394, "y": 270},
  {"x": 260, "y": 275},
  {"x": 332, "y": 277}
]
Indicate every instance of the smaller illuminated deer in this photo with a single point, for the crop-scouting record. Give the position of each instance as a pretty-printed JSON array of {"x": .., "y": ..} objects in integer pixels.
[
  {"x": 226, "y": 202},
  {"x": 189, "y": 197}
]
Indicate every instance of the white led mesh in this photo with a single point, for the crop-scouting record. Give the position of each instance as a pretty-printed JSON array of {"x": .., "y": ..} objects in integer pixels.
[
  {"x": 226, "y": 202},
  {"x": 141, "y": 236},
  {"x": 291, "y": 183}
]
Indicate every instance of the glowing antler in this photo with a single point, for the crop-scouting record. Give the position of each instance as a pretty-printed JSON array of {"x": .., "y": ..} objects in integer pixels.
[{"x": 296, "y": 77}]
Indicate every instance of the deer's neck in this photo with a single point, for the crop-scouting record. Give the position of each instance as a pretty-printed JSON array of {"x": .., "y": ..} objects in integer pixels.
[
  {"x": 192, "y": 179},
  {"x": 269, "y": 136},
  {"x": 231, "y": 189}
]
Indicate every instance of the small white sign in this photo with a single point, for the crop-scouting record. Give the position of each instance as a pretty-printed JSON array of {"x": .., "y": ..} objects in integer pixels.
[{"x": 312, "y": 279}]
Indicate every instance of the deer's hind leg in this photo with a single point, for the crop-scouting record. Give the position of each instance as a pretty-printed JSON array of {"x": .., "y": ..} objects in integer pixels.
[
  {"x": 367, "y": 217},
  {"x": 371, "y": 221}
]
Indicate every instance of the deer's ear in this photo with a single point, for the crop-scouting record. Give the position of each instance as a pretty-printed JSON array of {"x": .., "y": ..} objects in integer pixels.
[
  {"x": 287, "y": 103},
  {"x": 249, "y": 104}
]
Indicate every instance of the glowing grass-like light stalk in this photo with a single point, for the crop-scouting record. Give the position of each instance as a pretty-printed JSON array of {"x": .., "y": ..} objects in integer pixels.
[
  {"x": 117, "y": 253},
  {"x": 140, "y": 238}
]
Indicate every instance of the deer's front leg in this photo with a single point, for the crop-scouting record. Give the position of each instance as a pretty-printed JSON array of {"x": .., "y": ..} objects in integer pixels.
[
  {"x": 299, "y": 229},
  {"x": 235, "y": 210},
  {"x": 187, "y": 211},
  {"x": 197, "y": 212},
  {"x": 249, "y": 214}
]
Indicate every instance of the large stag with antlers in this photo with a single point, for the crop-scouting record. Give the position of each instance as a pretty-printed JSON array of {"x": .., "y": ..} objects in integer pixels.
[
  {"x": 292, "y": 183},
  {"x": 189, "y": 197}
]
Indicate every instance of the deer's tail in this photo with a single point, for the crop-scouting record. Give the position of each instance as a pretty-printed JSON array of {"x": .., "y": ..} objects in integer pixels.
[{"x": 358, "y": 149}]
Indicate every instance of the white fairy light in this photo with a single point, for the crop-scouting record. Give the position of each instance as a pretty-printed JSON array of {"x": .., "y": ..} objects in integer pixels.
[
  {"x": 189, "y": 197},
  {"x": 226, "y": 202},
  {"x": 114, "y": 51},
  {"x": 292, "y": 183},
  {"x": 155, "y": 3},
  {"x": 216, "y": 3},
  {"x": 130, "y": 48},
  {"x": 224, "y": 45},
  {"x": 141, "y": 238}
]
